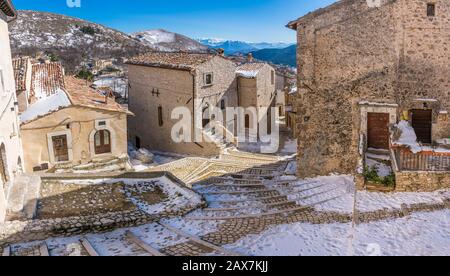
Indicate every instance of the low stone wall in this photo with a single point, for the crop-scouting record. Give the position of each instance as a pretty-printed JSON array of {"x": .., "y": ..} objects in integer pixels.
[
  {"x": 421, "y": 181},
  {"x": 25, "y": 231}
]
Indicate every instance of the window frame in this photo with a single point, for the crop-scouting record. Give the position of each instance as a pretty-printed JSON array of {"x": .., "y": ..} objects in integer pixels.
[
  {"x": 205, "y": 77},
  {"x": 431, "y": 10}
]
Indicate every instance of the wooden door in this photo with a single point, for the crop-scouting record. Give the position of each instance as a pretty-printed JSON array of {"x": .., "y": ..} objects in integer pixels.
[
  {"x": 102, "y": 142},
  {"x": 378, "y": 130},
  {"x": 60, "y": 148},
  {"x": 422, "y": 124}
]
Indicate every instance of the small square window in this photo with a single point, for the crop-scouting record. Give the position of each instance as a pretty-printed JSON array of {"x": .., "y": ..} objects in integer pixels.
[
  {"x": 102, "y": 123},
  {"x": 431, "y": 9},
  {"x": 208, "y": 79}
]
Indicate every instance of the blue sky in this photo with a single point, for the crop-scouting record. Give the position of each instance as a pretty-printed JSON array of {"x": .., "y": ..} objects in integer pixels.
[{"x": 248, "y": 20}]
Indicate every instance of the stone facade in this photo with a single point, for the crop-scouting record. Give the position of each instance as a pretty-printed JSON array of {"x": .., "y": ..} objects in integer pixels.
[
  {"x": 162, "y": 82},
  {"x": 154, "y": 87},
  {"x": 352, "y": 57},
  {"x": 10, "y": 144},
  {"x": 79, "y": 124},
  {"x": 421, "y": 181}
]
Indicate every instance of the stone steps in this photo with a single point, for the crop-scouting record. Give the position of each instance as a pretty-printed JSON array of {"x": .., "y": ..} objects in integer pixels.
[{"x": 23, "y": 198}]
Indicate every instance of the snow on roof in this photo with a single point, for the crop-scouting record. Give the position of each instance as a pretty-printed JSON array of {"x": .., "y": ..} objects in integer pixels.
[
  {"x": 45, "y": 106},
  {"x": 249, "y": 70}
]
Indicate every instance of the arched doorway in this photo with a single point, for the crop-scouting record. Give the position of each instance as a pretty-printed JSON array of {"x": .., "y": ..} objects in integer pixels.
[
  {"x": 206, "y": 116},
  {"x": 4, "y": 177},
  {"x": 102, "y": 142}
]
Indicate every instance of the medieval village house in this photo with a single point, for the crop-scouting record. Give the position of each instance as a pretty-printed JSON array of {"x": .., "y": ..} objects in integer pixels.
[
  {"x": 257, "y": 88},
  {"x": 10, "y": 144},
  {"x": 160, "y": 82},
  {"x": 362, "y": 70},
  {"x": 68, "y": 123}
]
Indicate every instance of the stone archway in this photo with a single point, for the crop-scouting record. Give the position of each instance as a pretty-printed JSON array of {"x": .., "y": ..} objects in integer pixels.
[{"x": 4, "y": 176}]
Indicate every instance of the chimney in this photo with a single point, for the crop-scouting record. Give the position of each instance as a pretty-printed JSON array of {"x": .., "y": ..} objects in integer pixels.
[
  {"x": 221, "y": 52},
  {"x": 250, "y": 57}
]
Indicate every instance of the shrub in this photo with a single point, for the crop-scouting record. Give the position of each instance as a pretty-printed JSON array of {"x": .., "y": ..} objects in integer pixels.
[
  {"x": 85, "y": 75},
  {"x": 371, "y": 175},
  {"x": 89, "y": 30}
]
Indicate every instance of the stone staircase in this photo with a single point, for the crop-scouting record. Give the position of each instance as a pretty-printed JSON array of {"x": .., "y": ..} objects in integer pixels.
[
  {"x": 23, "y": 197},
  {"x": 101, "y": 165}
]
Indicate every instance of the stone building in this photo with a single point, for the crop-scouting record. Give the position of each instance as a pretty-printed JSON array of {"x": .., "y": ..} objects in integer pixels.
[
  {"x": 257, "y": 88},
  {"x": 160, "y": 82},
  {"x": 69, "y": 124},
  {"x": 364, "y": 67},
  {"x": 10, "y": 144}
]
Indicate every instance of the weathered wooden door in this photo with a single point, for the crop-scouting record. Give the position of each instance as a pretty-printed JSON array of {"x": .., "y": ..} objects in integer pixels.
[
  {"x": 102, "y": 142},
  {"x": 60, "y": 148},
  {"x": 378, "y": 130},
  {"x": 422, "y": 124}
]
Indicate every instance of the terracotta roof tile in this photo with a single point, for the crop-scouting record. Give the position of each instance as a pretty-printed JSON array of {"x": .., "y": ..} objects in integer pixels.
[
  {"x": 8, "y": 8},
  {"x": 81, "y": 94},
  {"x": 46, "y": 79},
  {"x": 20, "y": 66},
  {"x": 173, "y": 60}
]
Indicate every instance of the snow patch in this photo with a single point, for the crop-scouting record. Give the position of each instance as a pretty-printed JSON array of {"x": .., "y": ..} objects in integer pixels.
[{"x": 45, "y": 106}]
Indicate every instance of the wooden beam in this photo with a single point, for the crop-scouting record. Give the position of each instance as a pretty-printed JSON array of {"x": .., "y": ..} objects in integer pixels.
[
  {"x": 143, "y": 245},
  {"x": 89, "y": 248}
]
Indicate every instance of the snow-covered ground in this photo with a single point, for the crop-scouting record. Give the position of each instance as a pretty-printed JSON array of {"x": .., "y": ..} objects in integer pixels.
[
  {"x": 117, "y": 84},
  {"x": 419, "y": 234},
  {"x": 144, "y": 159},
  {"x": 336, "y": 194}
]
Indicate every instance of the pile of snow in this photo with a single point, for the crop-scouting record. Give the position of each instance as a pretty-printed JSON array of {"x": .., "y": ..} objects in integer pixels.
[
  {"x": 408, "y": 137},
  {"x": 45, "y": 106}
]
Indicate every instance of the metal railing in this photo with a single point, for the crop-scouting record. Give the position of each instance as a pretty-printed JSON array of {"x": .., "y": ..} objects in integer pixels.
[{"x": 423, "y": 161}]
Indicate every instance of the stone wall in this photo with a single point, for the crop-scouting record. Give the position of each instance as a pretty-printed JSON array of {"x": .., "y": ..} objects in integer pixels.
[
  {"x": 9, "y": 124},
  {"x": 24, "y": 231},
  {"x": 421, "y": 181}
]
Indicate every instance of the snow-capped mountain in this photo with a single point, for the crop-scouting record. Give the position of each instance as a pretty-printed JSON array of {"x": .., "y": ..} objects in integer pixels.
[
  {"x": 233, "y": 47},
  {"x": 168, "y": 41},
  {"x": 72, "y": 40}
]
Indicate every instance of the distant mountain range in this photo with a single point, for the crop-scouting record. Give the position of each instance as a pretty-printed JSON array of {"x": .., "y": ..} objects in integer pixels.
[
  {"x": 232, "y": 47},
  {"x": 285, "y": 56}
]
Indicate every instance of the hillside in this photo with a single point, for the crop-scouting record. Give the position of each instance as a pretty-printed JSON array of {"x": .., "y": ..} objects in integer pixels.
[
  {"x": 286, "y": 56},
  {"x": 72, "y": 40},
  {"x": 168, "y": 41}
]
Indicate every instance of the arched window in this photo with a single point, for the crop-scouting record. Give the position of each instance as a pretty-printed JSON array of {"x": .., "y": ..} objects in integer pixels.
[{"x": 102, "y": 142}]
